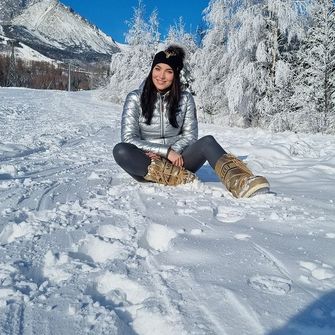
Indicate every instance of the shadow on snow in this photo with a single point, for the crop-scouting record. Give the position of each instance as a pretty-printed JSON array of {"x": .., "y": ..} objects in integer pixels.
[{"x": 316, "y": 319}]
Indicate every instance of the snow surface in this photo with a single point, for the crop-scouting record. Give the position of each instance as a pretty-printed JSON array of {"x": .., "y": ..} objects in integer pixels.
[{"x": 85, "y": 249}]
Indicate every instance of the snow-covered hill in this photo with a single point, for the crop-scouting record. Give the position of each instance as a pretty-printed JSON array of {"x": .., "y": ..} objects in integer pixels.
[
  {"x": 84, "y": 249},
  {"x": 22, "y": 51},
  {"x": 55, "y": 31}
]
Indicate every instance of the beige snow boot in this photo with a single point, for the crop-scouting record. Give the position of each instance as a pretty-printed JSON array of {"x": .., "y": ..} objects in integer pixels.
[
  {"x": 238, "y": 179},
  {"x": 162, "y": 171}
]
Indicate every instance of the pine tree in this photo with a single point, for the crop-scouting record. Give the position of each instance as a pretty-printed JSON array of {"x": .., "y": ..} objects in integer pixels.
[
  {"x": 261, "y": 37},
  {"x": 284, "y": 23},
  {"x": 314, "y": 97},
  {"x": 209, "y": 63}
]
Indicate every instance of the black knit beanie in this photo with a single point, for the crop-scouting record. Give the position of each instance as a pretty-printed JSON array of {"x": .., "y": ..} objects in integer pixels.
[{"x": 173, "y": 56}]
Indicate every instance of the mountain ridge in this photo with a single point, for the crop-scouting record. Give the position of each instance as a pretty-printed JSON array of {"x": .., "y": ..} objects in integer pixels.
[{"x": 55, "y": 30}]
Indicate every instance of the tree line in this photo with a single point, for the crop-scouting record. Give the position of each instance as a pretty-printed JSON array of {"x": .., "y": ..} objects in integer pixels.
[
  {"x": 259, "y": 63},
  {"x": 45, "y": 75}
]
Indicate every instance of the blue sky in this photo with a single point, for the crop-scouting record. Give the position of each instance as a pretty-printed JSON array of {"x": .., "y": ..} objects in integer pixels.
[{"x": 110, "y": 16}]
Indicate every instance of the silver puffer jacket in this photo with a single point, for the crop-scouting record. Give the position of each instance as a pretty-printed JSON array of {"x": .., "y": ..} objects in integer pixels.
[{"x": 160, "y": 135}]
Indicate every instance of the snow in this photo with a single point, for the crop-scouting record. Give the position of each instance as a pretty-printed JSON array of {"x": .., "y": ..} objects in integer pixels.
[
  {"x": 24, "y": 52},
  {"x": 85, "y": 249},
  {"x": 159, "y": 236}
]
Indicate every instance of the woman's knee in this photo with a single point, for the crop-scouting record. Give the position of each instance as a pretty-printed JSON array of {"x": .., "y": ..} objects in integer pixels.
[
  {"x": 120, "y": 151},
  {"x": 208, "y": 140}
]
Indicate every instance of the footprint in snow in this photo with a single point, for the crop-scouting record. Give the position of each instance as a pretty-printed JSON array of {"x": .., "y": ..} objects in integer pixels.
[
  {"x": 112, "y": 285},
  {"x": 270, "y": 284},
  {"x": 228, "y": 214},
  {"x": 101, "y": 251},
  {"x": 108, "y": 242}
]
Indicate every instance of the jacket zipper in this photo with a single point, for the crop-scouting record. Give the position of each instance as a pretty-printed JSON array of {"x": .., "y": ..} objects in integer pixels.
[{"x": 162, "y": 117}]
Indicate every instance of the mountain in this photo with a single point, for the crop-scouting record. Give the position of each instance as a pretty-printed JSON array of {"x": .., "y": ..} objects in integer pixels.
[
  {"x": 55, "y": 31},
  {"x": 11, "y": 8}
]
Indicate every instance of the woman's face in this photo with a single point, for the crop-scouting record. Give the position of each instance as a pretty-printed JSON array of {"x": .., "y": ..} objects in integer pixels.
[{"x": 162, "y": 76}]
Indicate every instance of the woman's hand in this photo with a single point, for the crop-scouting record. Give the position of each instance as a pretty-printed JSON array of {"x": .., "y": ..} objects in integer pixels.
[
  {"x": 152, "y": 155},
  {"x": 175, "y": 158}
]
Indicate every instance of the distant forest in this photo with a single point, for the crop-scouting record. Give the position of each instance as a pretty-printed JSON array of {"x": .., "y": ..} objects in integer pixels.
[{"x": 44, "y": 75}]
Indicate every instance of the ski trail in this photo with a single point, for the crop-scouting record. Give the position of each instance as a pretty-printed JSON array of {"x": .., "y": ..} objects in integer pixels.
[
  {"x": 201, "y": 223},
  {"x": 43, "y": 202},
  {"x": 162, "y": 290},
  {"x": 233, "y": 312},
  {"x": 249, "y": 321},
  {"x": 283, "y": 270},
  {"x": 26, "y": 153},
  {"x": 273, "y": 260},
  {"x": 215, "y": 321}
]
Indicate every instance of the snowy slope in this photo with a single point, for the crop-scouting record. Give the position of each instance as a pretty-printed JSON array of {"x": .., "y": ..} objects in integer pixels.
[
  {"x": 84, "y": 249},
  {"x": 23, "y": 52}
]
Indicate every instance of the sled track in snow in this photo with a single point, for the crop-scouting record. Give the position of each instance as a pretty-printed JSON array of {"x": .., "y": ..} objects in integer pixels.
[{"x": 13, "y": 319}]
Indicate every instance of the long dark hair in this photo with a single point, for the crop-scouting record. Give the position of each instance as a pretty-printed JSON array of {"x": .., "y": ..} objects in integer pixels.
[{"x": 149, "y": 94}]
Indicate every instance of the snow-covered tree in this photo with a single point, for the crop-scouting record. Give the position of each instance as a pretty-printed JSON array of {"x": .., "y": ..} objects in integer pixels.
[
  {"x": 244, "y": 61},
  {"x": 262, "y": 34},
  {"x": 285, "y": 27},
  {"x": 209, "y": 62},
  {"x": 314, "y": 97},
  {"x": 129, "y": 67},
  {"x": 178, "y": 35}
]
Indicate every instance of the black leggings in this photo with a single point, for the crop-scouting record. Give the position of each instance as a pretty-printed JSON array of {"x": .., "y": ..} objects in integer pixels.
[{"x": 135, "y": 162}]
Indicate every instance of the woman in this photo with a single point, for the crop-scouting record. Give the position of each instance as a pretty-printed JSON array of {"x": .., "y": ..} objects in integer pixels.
[{"x": 159, "y": 134}]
